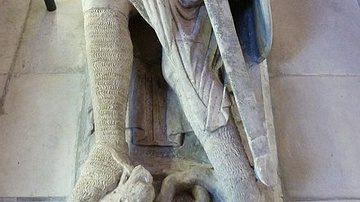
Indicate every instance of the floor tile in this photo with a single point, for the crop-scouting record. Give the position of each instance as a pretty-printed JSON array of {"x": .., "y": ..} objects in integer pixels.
[
  {"x": 12, "y": 17},
  {"x": 315, "y": 37},
  {"x": 53, "y": 42},
  {"x": 327, "y": 200},
  {"x": 38, "y": 135},
  {"x": 317, "y": 127},
  {"x": 32, "y": 199}
]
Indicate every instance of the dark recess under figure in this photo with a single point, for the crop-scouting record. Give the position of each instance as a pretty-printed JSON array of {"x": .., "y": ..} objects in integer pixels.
[{"x": 50, "y": 5}]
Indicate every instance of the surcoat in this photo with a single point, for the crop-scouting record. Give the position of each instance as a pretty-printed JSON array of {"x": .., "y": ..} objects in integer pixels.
[{"x": 191, "y": 61}]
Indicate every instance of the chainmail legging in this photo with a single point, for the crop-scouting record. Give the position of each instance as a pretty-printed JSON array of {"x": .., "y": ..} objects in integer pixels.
[{"x": 110, "y": 55}]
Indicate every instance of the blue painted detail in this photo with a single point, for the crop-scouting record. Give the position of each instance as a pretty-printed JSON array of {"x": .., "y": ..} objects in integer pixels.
[{"x": 253, "y": 26}]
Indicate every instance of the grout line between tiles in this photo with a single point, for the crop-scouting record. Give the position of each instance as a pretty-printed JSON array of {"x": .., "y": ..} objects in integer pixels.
[
  {"x": 13, "y": 62},
  {"x": 47, "y": 73},
  {"x": 313, "y": 75},
  {"x": 319, "y": 199},
  {"x": 33, "y": 199}
]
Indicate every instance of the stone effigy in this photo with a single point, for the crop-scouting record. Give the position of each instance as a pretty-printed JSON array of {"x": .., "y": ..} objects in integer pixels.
[{"x": 183, "y": 133}]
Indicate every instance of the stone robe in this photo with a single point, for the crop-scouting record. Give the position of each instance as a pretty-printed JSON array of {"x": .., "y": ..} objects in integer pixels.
[{"x": 191, "y": 60}]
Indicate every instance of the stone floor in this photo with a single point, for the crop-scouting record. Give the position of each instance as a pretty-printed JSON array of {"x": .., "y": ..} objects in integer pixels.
[
  {"x": 42, "y": 63},
  {"x": 315, "y": 77}
]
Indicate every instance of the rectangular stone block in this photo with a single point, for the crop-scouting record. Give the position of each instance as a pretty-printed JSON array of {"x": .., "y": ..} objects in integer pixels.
[
  {"x": 153, "y": 117},
  {"x": 315, "y": 37},
  {"x": 12, "y": 18},
  {"x": 53, "y": 42},
  {"x": 39, "y": 135},
  {"x": 317, "y": 127}
]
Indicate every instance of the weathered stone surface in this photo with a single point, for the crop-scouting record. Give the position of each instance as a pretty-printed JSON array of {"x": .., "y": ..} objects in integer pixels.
[
  {"x": 12, "y": 18},
  {"x": 53, "y": 42},
  {"x": 316, "y": 116},
  {"x": 317, "y": 124},
  {"x": 315, "y": 37},
  {"x": 110, "y": 54},
  {"x": 326, "y": 200},
  {"x": 2, "y": 84},
  {"x": 38, "y": 135},
  {"x": 162, "y": 123},
  {"x": 192, "y": 67},
  {"x": 148, "y": 109}
]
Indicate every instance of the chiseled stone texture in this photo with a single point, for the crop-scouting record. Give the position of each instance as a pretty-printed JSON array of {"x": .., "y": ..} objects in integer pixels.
[
  {"x": 39, "y": 134},
  {"x": 12, "y": 18},
  {"x": 53, "y": 42},
  {"x": 315, "y": 37},
  {"x": 317, "y": 126}
]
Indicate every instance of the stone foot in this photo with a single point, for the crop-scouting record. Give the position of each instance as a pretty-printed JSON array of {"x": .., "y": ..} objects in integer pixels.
[{"x": 100, "y": 174}]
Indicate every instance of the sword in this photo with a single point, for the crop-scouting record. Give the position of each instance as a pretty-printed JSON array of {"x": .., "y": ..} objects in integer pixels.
[{"x": 237, "y": 74}]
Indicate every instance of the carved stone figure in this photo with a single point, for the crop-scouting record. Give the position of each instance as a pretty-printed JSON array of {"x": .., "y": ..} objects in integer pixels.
[{"x": 203, "y": 65}]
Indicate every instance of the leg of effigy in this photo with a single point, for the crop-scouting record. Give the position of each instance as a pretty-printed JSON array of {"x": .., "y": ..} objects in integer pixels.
[
  {"x": 231, "y": 166},
  {"x": 109, "y": 52},
  {"x": 236, "y": 179}
]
